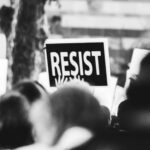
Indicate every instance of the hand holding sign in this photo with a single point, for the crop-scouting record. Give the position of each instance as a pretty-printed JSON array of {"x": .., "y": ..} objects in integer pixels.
[{"x": 61, "y": 81}]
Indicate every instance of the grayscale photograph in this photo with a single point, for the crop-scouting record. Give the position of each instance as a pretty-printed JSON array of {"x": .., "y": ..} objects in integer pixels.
[{"x": 74, "y": 74}]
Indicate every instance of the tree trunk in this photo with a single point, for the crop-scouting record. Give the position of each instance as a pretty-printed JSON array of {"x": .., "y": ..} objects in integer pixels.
[{"x": 27, "y": 38}]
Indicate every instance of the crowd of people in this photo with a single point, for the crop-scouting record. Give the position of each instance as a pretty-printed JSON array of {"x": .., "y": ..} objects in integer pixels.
[{"x": 72, "y": 118}]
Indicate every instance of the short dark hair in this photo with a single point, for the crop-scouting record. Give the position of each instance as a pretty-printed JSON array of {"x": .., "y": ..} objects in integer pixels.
[
  {"x": 15, "y": 128},
  {"x": 29, "y": 89},
  {"x": 72, "y": 106}
]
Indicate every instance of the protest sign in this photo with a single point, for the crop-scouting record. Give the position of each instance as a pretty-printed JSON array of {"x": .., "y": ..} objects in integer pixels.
[
  {"x": 137, "y": 57},
  {"x": 87, "y": 58},
  {"x": 3, "y": 75},
  {"x": 2, "y": 46},
  {"x": 3, "y": 64}
]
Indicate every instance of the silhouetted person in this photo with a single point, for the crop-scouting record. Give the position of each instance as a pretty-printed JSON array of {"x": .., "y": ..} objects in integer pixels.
[
  {"x": 15, "y": 128},
  {"x": 134, "y": 113},
  {"x": 138, "y": 94}
]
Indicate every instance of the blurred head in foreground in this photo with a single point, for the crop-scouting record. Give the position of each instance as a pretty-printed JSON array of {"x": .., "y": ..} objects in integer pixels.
[
  {"x": 71, "y": 105},
  {"x": 15, "y": 128},
  {"x": 33, "y": 91},
  {"x": 134, "y": 113}
]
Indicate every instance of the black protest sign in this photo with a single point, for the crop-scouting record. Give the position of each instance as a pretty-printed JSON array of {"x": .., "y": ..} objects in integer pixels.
[{"x": 87, "y": 58}]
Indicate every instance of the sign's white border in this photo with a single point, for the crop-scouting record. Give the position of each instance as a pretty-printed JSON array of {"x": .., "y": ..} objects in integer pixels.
[
  {"x": 83, "y": 40},
  {"x": 3, "y": 75}
]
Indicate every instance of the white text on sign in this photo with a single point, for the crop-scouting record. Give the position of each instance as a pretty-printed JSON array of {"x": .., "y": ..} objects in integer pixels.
[{"x": 65, "y": 59}]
